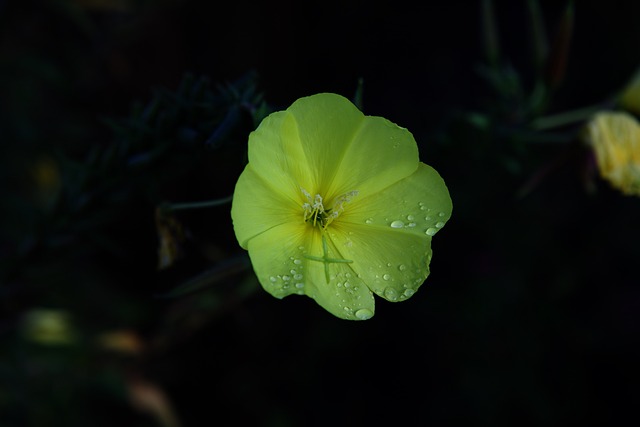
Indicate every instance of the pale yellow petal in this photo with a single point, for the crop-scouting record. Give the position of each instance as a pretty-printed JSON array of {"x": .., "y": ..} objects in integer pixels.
[
  {"x": 388, "y": 234},
  {"x": 380, "y": 154},
  {"x": 276, "y": 156},
  {"x": 326, "y": 125},
  {"x": 258, "y": 207},
  {"x": 391, "y": 263},
  {"x": 285, "y": 260},
  {"x": 418, "y": 204}
]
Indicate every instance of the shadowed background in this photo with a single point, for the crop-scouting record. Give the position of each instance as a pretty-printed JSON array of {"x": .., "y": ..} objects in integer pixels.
[{"x": 110, "y": 109}]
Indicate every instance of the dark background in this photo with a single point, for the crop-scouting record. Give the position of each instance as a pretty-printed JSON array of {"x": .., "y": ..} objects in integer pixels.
[{"x": 529, "y": 317}]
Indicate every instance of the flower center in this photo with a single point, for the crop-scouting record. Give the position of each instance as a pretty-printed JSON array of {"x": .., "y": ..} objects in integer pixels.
[{"x": 317, "y": 215}]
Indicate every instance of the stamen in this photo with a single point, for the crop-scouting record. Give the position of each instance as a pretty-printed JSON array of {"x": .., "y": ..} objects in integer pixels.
[{"x": 315, "y": 212}]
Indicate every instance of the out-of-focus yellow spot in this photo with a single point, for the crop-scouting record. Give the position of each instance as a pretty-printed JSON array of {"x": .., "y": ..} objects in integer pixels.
[
  {"x": 48, "y": 327},
  {"x": 171, "y": 236},
  {"x": 123, "y": 341},
  {"x": 615, "y": 138},
  {"x": 45, "y": 175}
]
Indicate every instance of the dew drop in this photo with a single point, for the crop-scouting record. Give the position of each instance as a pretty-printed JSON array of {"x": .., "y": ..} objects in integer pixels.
[
  {"x": 423, "y": 208},
  {"x": 410, "y": 217},
  {"x": 397, "y": 224},
  {"x": 285, "y": 278},
  {"x": 297, "y": 276},
  {"x": 273, "y": 279},
  {"x": 402, "y": 267},
  {"x": 409, "y": 292},
  {"x": 364, "y": 314},
  {"x": 386, "y": 277},
  {"x": 299, "y": 285},
  {"x": 369, "y": 220},
  {"x": 441, "y": 214},
  {"x": 411, "y": 224},
  {"x": 439, "y": 224},
  {"x": 391, "y": 294},
  {"x": 297, "y": 261},
  {"x": 431, "y": 231}
]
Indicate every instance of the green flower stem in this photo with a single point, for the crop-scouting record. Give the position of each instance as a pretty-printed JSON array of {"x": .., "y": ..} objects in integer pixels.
[
  {"x": 198, "y": 205},
  {"x": 565, "y": 118}
]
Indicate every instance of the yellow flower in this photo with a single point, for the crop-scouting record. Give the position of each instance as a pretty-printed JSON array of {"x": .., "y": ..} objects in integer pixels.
[
  {"x": 615, "y": 138},
  {"x": 336, "y": 205}
]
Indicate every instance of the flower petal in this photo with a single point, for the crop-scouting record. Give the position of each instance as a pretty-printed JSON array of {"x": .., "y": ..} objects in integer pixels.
[
  {"x": 285, "y": 260},
  {"x": 258, "y": 207},
  {"x": 392, "y": 264},
  {"x": 326, "y": 125},
  {"x": 388, "y": 234},
  {"x": 380, "y": 154},
  {"x": 276, "y": 155},
  {"x": 418, "y": 204}
]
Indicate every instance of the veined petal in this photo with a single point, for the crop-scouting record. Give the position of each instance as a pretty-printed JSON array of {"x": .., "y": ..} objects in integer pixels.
[
  {"x": 326, "y": 125},
  {"x": 391, "y": 263},
  {"x": 277, "y": 258},
  {"x": 258, "y": 207},
  {"x": 388, "y": 234},
  {"x": 418, "y": 204},
  {"x": 276, "y": 155},
  {"x": 287, "y": 260},
  {"x": 380, "y": 154}
]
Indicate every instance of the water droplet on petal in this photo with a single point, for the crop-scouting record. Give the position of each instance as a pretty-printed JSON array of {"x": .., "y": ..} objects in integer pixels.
[
  {"x": 410, "y": 217},
  {"x": 411, "y": 224},
  {"x": 397, "y": 224},
  {"x": 409, "y": 292},
  {"x": 391, "y": 294},
  {"x": 431, "y": 231},
  {"x": 297, "y": 261},
  {"x": 364, "y": 314},
  {"x": 402, "y": 267},
  {"x": 273, "y": 279},
  {"x": 299, "y": 285},
  {"x": 439, "y": 224},
  {"x": 369, "y": 220},
  {"x": 386, "y": 277},
  {"x": 441, "y": 214}
]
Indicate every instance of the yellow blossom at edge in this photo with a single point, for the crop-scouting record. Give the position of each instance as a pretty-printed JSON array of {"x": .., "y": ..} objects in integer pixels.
[{"x": 615, "y": 138}]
